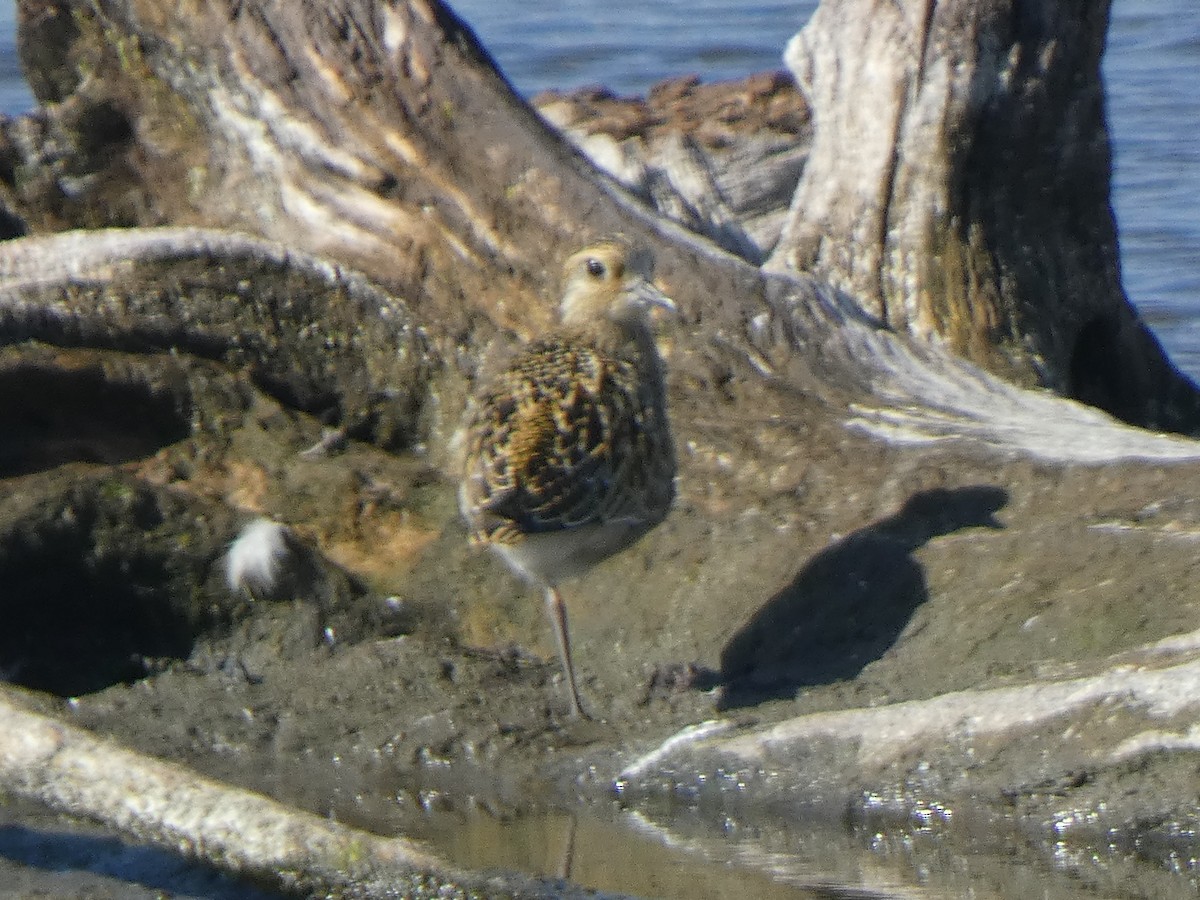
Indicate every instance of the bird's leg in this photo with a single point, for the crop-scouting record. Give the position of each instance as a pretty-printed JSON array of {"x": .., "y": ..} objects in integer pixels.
[{"x": 557, "y": 611}]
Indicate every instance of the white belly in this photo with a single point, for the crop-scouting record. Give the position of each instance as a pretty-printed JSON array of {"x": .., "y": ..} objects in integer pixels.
[{"x": 556, "y": 556}]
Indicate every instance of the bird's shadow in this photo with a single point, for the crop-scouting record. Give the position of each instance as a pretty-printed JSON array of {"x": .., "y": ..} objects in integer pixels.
[{"x": 849, "y": 603}]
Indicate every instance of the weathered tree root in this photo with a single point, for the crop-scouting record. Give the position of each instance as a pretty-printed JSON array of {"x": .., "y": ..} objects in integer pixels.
[{"x": 236, "y": 831}]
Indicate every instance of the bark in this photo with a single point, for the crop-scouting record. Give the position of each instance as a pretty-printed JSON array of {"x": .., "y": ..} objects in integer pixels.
[
  {"x": 720, "y": 159},
  {"x": 366, "y": 366},
  {"x": 964, "y": 194},
  {"x": 379, "y": 135}
]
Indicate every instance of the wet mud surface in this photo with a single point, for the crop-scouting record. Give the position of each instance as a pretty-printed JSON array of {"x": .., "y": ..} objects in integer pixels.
[{"x": 408, "y": 684}]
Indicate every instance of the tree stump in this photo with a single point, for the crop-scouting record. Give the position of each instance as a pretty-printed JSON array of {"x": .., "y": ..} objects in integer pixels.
[{"x": 964, "y": 194}]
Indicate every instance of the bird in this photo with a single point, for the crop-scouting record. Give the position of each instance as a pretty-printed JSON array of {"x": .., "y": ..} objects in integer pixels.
[{"x": 569, "y": 457}]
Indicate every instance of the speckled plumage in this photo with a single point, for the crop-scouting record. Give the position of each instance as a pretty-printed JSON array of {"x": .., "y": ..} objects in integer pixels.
[{"x": 569, "y": 457}]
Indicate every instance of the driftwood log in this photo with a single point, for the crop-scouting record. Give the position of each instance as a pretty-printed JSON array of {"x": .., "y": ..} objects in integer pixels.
[
  {"x": 247, "y": 834},
  {"x": 966, "y": 194},
  {"x": 332, "y": 212}
]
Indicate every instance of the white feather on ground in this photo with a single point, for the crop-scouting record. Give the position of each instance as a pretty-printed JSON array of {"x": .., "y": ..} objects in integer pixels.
[{"x": 257, "y": 557}]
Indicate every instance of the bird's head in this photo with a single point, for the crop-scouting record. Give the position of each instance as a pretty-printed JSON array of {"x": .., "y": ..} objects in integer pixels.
[{"x": 610, "y": 280}]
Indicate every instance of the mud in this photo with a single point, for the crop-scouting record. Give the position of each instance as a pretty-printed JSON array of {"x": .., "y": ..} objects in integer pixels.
[{"x": 412, "y": 682}]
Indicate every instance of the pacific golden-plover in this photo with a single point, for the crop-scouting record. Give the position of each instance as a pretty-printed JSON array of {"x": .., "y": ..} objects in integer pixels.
[{"x": 569, "y": 456}]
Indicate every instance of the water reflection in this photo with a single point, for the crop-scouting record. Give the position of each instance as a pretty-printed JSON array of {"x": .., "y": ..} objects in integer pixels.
[
  {"x": 686, "y": 853},
  {"x": 630, "y": 854}
]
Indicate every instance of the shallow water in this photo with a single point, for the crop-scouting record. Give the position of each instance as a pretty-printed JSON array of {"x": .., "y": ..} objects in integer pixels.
[{"x": 717, "y": 851}]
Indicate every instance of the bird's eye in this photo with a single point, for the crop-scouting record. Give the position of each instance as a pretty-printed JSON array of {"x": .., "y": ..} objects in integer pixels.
[{"x": 595, "y": 268}]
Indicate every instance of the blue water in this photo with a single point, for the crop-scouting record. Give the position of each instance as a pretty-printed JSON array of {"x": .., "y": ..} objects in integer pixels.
[
  {"x": 14, "y": 94},
  {"x": 1152, "y": 68}
]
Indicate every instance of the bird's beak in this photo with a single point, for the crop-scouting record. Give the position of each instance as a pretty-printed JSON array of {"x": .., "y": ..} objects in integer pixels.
[{"x": 649, "y": 294}]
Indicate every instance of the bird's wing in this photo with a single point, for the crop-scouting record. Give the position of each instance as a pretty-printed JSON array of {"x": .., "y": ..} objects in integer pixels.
[{"x": 550, "y": 444}]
